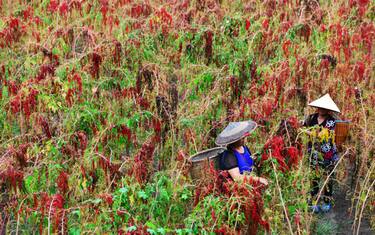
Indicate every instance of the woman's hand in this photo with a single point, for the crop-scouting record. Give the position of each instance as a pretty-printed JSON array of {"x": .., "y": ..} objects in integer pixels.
[{"x": 263, "y": 181}]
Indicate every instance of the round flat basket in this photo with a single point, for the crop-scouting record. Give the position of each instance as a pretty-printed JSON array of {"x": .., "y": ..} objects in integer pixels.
[{"x": 201, "y": 162}]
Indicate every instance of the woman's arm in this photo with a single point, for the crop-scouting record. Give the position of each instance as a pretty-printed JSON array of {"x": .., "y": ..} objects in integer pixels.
[{"x": 236, "y": 175}]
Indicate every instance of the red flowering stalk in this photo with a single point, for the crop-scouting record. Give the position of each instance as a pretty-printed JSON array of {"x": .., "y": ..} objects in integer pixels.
[
  {"x": 44, "y": 70},
  {"x": 267, "y": 108},
  {"x": 165, "y": 16},
  {"x": 275, "y": 146},
  {"x": 42, "y": 121},
  {"x": 12, "y": 33},
  {"x": 346, "y": 44},
  {"x": 53, "y": 6},
  {"x": 78, "y": 80},
  {"x": 15, "y": 105},
  {"x": 117, "y": 51},
  {"x": 28, "y": 13},
  {"x": 69, "y": 97},
  {"x": 104, "y": 7},
  {"x": 126, "y": 132},
  {"x": 13, "y": 178},
  {"x": 62, "y": 182},
  {"x": 368, "y": 36},
  {"x": 143, "y": 103},
  {"x": 293, "y": 121},
  {"x": 29, "y": 102},
  {"x": 219, "y": 183},
  {"x": 53, "y": 207},
  {"x": 104, "y": 163},
  {"x": 208, "y": 46},
  {"x": 143, "y": 161},
  {"x": 234, "y": 85},
  {"x": 96, "y": 61},
  {"x": 77, "y": 4},
  {"x": 295, "y": 156},
  {"x": 13, "y": 88},
  {"x": 82, "y": 140},
  {"x": 324, "y": 68},
  {"x": 20, "y": 154},
  {"x": 265, "y": 24},
  {"x": 76, "y": 90},
  {"x": 253, "y": 72},
  {"x": 285, "y": 47},
  {"x": 301, "y": 69},
  {"x": 142, "y": 9},
  {"x": 108, "y": 198},
  {"x": 64, "y": 8},
  {"x": 247, "y": 24},
  {"x": 359, "y": 71},
  {"x": 156, "y": 125},
  {"x": 223, "y": 230}
]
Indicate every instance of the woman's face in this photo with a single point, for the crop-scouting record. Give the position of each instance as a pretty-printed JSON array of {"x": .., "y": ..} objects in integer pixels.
[
  {"x": 323, "y": 112},
  {"x": 238, "y": 143}
]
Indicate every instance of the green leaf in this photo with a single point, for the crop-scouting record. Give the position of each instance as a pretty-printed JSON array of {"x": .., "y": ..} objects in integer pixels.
[
  {"x": 96, "y": 201},
  {"x": 76, "y": 212},
  {"x": 142, "y": 194},
  {"x": 131, "y": 229},
  {"x": 292, "y": 209},
  {"x": 56, "y": 51},
  {"x": 74, "y": 231},
  {"x": 187, "y": 122},
  {"x": 151, "y": 225},
  {"x": 5, "y": 92},
  {"x": 29, "y": 183},
  {"x": 123, "y": 190},
  {"x": 161, "y": 230},
  {"x": 184, "y": 197}
]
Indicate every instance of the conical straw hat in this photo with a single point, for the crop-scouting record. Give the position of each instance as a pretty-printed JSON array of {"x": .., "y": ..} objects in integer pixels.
[
  {"x": 325, "y": 102},
  {"x": 235, "y": 131}
]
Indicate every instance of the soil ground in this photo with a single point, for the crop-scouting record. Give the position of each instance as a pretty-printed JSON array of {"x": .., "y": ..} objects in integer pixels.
[{"x": 339, "y": 221}]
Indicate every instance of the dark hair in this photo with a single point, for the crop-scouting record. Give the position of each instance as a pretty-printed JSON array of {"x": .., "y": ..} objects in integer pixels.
[{"x": 236, "y": 144}]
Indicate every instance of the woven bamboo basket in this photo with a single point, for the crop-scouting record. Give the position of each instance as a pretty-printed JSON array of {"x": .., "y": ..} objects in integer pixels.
[
  {"x": 341, "y": 131},
  {"x": 201, "y": 162}
]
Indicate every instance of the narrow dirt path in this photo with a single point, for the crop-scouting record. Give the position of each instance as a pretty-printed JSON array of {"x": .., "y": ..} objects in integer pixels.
[{"x": 339, "y": 221}]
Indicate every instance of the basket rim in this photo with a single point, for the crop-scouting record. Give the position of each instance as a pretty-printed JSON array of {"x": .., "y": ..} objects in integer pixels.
[
  {"x": 205, "y": 151},
  {"x": 343, "y": 121}
]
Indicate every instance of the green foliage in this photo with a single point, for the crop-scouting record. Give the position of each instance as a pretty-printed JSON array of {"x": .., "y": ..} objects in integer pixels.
[{"x": 247, "y": 44}]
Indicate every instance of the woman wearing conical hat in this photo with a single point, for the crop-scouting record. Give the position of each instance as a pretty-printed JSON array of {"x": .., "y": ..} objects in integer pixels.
[
  {"x": 237, "y": 159},
  {"x": 322, "y": 149}
]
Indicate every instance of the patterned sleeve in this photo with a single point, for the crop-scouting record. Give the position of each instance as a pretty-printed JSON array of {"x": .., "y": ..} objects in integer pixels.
[{"x": 330, "y": 124}]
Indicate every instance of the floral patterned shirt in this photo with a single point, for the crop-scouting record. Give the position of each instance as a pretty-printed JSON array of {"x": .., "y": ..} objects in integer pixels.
[{"x": 321, "y": 147}]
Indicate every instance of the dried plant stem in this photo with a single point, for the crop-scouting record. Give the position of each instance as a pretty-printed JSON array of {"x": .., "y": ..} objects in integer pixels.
[
  {"x": 281, "y": 198},
  {"x": 18, "y": 215},
  {"x": 363, "y": 206},
  {"x": 366, "y": 181},
  {"x": 330, "y": 174},
  {"x": 49, "y": 216}
]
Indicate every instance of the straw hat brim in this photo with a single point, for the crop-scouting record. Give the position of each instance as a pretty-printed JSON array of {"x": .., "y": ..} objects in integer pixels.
[{"x": 234, "y": 132}]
